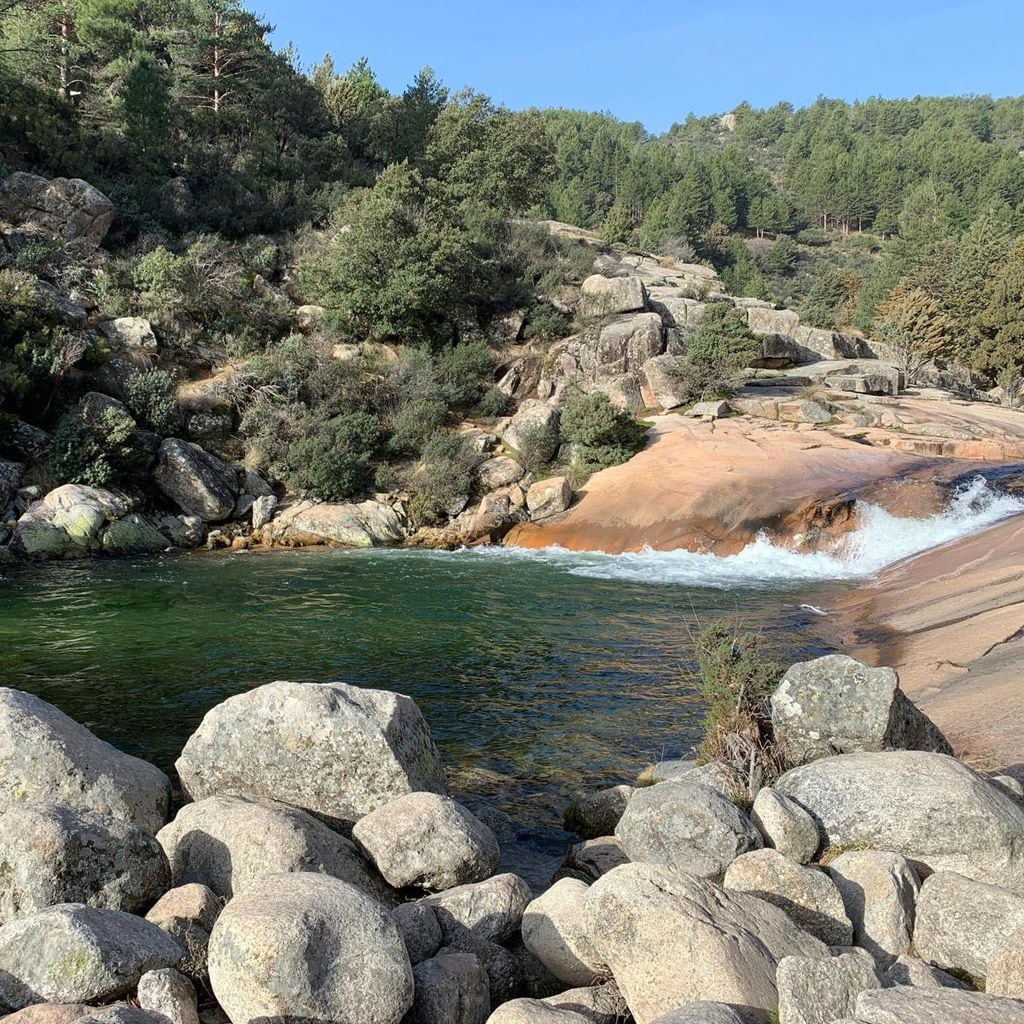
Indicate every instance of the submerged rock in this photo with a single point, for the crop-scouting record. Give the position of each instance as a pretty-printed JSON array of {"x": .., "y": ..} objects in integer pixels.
[
  {"x": 46, "y": 757},
  {"x": 275, "y": 952},
  {"x": 335, "y": 750},
  {"x": 592, "y": 815}
]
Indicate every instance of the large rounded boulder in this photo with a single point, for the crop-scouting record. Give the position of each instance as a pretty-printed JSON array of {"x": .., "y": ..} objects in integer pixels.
[
  {"x": 671, "y": 938},
  {"x": 930, "y": 808},
  {"x": 229, "y": 842},
  {"x": 46, "y": 757},
  {"x": 685, "y": 825},
  {"x": 306, "y": 946},
  {"x": 77, "y": 954},
  {"x": 427, "y": 841},
  {"x": 335, "y": 750},
  {"x": 51, "y": 855}
]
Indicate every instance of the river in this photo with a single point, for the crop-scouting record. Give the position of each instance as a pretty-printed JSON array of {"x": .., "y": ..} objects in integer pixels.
[{"x": 537, "y": 674}]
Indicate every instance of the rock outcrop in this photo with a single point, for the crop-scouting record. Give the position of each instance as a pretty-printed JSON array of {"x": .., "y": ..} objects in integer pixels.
[{"x": 68, "y": 209}]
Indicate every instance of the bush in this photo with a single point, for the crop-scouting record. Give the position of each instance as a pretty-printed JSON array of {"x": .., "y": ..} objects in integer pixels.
[
  {"x": 445, "y": 477},
  {"x": 334, "y": 458},
  {"x": 494, "y": 404},
  {"x": 463, "y": 374},
  {"x": 601, "y": 435},
  {"x": 99, "y": 455},
  {"x": 737, "y": 681},
  {"x": 149, "y": 394},
  {"x": 414, "y": 424},
  {"x": 722, "y": 341},
  {"x": 537, "y": 445},
  {"x": 546, "y": 322}
]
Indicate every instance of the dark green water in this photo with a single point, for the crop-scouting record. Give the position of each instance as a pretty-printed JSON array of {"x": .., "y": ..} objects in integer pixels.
[{"x": 534, "y": 680}]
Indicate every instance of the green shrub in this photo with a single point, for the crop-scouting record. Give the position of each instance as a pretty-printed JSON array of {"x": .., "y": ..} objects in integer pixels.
[
  {"x": 445, "y": 477},
  {"x": 736, "y": 681},
  {"x": 722, "y": 341},
  {"x": 601, "y": 435},
  {"x": 463, "y": 374},
  {"x": 414, "y": 424},
  {"x": 149, "y": 395},
  {"x": 494, "y": 404},
  {"x": 334, "y": 458},
  {"x": 537, "y": 446},
  {"x": 99, "y": 455},
  {"x": 547, "y": 323}
]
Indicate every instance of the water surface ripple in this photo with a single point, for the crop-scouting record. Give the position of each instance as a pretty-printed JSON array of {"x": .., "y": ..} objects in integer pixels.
[{"x": 534, "y": 679}]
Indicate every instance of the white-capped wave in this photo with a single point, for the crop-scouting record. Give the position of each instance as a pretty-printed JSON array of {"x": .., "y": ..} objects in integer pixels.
[{"x": 880, "y": 540}]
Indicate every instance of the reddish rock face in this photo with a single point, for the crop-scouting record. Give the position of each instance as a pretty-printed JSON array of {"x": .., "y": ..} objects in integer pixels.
[{"x": 716, "y": 486}]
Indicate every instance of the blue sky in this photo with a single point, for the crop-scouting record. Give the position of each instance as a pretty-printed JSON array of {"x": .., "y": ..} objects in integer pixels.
[{"x": 656, "y": 61}]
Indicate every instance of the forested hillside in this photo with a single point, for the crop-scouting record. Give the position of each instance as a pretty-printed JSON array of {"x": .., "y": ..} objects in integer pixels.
[{"x": 267, "y": 214}]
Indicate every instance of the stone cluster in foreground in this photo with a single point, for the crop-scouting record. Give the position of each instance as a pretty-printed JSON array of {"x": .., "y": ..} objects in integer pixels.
[{"x": 321, "y": 872}]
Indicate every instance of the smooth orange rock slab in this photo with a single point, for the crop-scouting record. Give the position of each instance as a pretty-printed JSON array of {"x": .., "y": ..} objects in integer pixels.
[
  {"x": 951, "y": 621},
  {"x": 713, "y": 486}
]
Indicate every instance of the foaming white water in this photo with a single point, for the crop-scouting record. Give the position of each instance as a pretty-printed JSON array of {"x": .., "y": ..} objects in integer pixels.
[{"x": 880, "y": 540}]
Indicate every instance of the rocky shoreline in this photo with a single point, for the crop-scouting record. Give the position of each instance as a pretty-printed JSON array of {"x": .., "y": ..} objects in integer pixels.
[{"x": 320, "y": 871}]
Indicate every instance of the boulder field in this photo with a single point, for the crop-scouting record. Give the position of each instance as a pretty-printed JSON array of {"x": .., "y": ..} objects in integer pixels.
[{"x": 322, "y": 873}]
